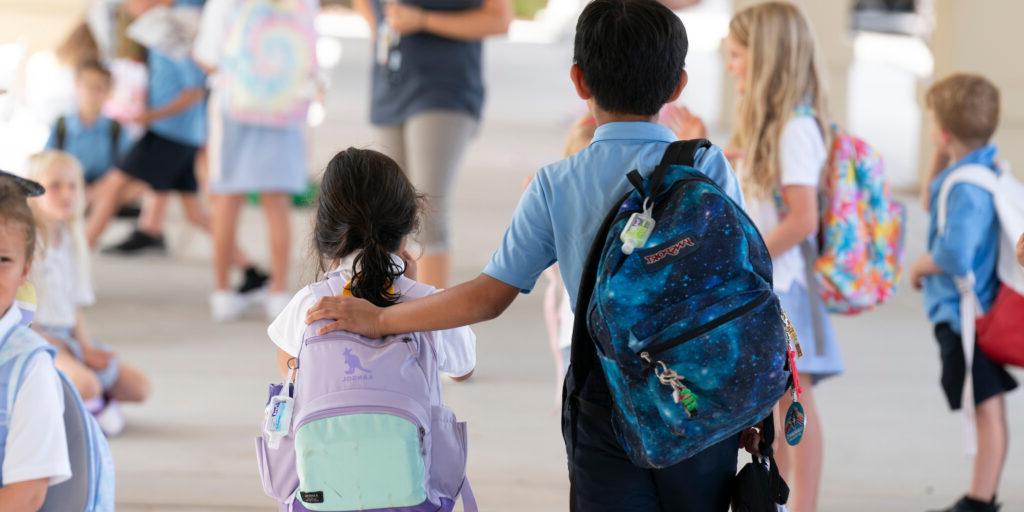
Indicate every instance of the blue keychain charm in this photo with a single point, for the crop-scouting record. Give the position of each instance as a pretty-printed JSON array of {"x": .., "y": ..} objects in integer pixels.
[{"x": 796, "y": 422}]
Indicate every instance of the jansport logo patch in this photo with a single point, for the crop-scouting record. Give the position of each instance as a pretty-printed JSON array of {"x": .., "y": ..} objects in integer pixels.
[{"x": 660, "y": 254}]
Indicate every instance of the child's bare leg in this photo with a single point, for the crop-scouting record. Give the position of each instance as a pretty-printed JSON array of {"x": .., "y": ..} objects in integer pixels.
[
  {"x": 83, "y": 378},
  {"x": 277, "y": 206},
  {"x": 802, "y": 464},
  {"x": 106, "y": 196},
  {"x": 154, "y": 211},
  {"x": 993, "y": 439},
  {"x": 131, "y": 385},
  {"x": 223, "y": 228},
  {"x": 198, "y": 217}
]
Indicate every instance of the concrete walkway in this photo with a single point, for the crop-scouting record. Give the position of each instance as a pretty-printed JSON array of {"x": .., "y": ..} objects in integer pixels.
[{"x": 891, "y": 443}]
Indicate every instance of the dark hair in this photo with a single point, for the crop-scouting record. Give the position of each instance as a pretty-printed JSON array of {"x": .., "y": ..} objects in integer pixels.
[
  {"x": 14, "y": 208},
  {"x": 366, "y": 205},
  {"x": 631, "y": 52},
  {"x": 95, "y": 66}
]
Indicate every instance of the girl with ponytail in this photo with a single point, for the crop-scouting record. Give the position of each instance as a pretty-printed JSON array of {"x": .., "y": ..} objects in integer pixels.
[{"x": 366, "y": 210}]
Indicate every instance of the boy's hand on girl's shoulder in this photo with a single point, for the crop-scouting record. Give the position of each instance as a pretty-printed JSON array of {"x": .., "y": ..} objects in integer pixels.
[
  {"x": 347, "y": 314},
  {"x": 96, "y": 358}
]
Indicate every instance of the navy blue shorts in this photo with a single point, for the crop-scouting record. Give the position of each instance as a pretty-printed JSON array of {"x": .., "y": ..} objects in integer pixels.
[
  {"x": 165, "y": 165},
  {"x": 603, "y": 479},
  {"x": 989, "y": 378}
]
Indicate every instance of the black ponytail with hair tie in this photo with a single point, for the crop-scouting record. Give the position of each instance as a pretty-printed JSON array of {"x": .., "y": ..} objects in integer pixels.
[{"x": 366, "y": 207}]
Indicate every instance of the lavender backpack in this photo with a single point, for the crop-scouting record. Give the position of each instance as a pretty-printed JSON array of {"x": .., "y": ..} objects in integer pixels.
[{"x": 369, "y": 430}]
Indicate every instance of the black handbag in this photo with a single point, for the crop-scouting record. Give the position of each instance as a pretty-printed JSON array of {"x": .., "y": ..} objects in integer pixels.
[{"x": 759, "y": 487}]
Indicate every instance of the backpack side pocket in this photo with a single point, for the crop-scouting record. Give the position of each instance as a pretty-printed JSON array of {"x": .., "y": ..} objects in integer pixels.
[
  {"x": 448, "y": 453},
  {"x": 277, "y": 469}
]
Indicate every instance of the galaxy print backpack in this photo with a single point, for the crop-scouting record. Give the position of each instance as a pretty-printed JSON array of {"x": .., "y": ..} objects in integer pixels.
[{"x": 677, "y": 298}]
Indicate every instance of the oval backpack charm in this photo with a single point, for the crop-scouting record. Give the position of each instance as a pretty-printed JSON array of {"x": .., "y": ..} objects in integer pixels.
[{"x": 796, "y": 422}]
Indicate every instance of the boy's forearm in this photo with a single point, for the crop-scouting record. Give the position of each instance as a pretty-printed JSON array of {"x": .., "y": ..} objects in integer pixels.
[
  {"x": 491, "y": 19},
  {"x": 183, "y": 101},
  {"x": 483, "y": 298}
]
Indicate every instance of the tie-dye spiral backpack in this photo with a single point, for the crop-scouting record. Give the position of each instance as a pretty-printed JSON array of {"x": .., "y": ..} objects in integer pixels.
[
  {"x": 860, "y": 243},
  {"x": 676, "y": 298},
  {"x": 368, "y": 430},
  {"x": 269, "y": 62}
]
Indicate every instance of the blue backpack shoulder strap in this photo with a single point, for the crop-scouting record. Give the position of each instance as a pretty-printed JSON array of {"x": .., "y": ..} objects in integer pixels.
[
  {"x": 18, "y": 346},
  {"x": 583, "y": 354}
]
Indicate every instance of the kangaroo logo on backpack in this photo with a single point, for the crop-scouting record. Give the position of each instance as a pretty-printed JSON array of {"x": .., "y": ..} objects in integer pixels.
[{"x": 353, "y": 363}]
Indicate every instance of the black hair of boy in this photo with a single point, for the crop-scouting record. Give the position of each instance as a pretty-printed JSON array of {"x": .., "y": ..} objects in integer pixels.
[
  {"x": 632, "y": 54},
  {"x": 367, "y": 206}
]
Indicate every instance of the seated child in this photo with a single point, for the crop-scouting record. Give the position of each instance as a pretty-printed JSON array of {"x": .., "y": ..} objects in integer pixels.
[
  {"x": 366, "y": 211},
  {"x": 33, "y": 442},
  {"x": 64, "y": 284},
  {"x": 97, "y": 141},
  {"x": 965, "y": 113}
]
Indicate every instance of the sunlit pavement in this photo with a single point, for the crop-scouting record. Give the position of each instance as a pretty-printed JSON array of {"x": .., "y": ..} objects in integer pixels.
[{"x": 891, "y": 443}]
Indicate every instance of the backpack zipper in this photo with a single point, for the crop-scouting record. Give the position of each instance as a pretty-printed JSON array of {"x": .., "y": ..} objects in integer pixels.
[{"x": 700, "y": 330}]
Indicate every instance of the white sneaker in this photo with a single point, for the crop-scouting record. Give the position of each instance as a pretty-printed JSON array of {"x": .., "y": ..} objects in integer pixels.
[
  {"x": 111, "y": 419},
  {"x": 227, "y": 306},
  {"x": 274, "y": 304}
]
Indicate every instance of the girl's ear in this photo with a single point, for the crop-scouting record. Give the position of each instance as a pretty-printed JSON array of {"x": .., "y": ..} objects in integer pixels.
[{"x": 25, "y": 273}]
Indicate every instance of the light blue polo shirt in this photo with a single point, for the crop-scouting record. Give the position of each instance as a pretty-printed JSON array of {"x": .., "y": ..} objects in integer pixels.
[
  {"x": 562, "y": 209},
  {"x": 168, "y": 78},
  {"x": 91, "y": 144}
]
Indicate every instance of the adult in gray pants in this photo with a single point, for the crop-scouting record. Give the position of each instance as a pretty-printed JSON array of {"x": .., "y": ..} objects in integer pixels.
[{"x": 427, "y": 95}]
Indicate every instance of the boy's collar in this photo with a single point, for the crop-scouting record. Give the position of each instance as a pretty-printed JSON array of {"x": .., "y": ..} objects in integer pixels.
[{"x": 634, "y": 130}]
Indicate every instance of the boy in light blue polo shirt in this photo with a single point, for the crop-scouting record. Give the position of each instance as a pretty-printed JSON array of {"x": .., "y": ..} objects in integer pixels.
[
  {"x": 97, "y": 141},
  {"x": 629, "y": 59},
  {"x": 164, "y": 158}
]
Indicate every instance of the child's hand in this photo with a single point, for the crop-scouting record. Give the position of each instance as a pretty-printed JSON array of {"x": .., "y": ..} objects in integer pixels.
[
  {"x": 681, "y": 121},
  {"x": 750, "y": 440},
  {"x": 923, "y": 267},
  {"x": 142, "y": 119},
  {"x": 348, "y": 314},
  {"x": 404, "y": 18},
  {"x": 1020, "y": 250},
  {"x": 96, "y": 358}
]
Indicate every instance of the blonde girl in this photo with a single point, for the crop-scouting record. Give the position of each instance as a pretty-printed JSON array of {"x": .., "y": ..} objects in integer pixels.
[
  {"x": 780, "y": 148},
  {"x": 63, "y": 282},
  {"x": 782, "y": 138}
]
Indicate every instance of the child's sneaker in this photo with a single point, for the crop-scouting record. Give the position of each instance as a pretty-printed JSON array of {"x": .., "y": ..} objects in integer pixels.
[
  {"x": 138, "y": 243},
  {"x": 111, "y": 419},
  {"x": 968, "y": 504},
  {"x": 275, "y": 303},
  {"x": 254, "y": 282},
  {"x": 227, "y": 306}
]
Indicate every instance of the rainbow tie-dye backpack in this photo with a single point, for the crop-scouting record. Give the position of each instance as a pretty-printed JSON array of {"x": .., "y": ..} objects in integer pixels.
[
  {"x": 860, "y": 242},
  {"x": 269, "y": 63}
]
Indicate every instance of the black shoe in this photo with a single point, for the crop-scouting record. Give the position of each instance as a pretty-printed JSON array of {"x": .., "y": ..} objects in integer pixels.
[
  {"x": 254, "y": 281},
  {"x": 968, "y": 504},
  {"x": 138, "y": 243},
  {"x": 129, "y": 211}
]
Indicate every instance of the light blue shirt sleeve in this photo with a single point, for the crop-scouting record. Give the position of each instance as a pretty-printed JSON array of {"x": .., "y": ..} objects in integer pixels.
[
  {"x": 714, "y": 165},
  {"x": 528, "y": 247},
  {"x": 969, "y": 208}
]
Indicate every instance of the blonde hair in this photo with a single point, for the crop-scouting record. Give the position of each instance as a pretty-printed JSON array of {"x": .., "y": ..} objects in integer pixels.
[
  {"x": 783, "y": 72},
  {"x": 39, "y": 166},
  {"x": 967, "y": 106}
]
